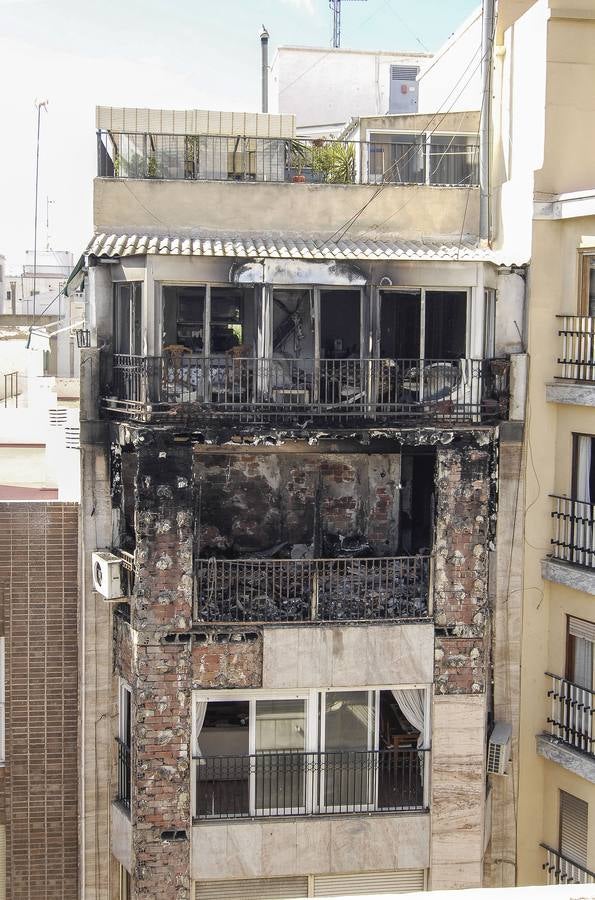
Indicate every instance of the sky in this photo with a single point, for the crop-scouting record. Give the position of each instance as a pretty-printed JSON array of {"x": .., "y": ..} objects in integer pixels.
[{"x": 179, "y": 54}]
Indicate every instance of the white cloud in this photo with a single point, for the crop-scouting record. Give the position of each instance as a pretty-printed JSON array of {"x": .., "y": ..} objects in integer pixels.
[{"x": 306, "y": 6}]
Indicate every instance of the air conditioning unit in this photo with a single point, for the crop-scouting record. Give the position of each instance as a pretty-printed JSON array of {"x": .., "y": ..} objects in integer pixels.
[
  {"x": 107, "y": 574},
  {"x": 499, "y": 748}
]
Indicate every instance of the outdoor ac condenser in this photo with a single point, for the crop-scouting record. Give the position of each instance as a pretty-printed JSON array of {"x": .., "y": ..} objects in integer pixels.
[
  {"x": 499, "y": 748},
  {"x": 107, "y": 574}
]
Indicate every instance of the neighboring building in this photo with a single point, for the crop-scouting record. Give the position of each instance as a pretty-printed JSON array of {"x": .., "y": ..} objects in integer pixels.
[
  {"x": 325, "y": 88},
  {"x": 544, "y": 208},
  {"x": 300, "y": 429},
  {"x": 451, "y": 80},
  {"x": 3, "y": 284}
]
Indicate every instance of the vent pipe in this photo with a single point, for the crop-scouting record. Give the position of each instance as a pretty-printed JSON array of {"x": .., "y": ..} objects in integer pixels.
[
  {"x": 264, "y": 47},
  {"x": 487, "y": 41}
]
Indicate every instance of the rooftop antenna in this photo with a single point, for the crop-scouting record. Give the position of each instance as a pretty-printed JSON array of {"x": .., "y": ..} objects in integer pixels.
[
  {"x": 40, "y": 104},
  {"x": 335, "y": 5},
  {"x": 48, "y": 202}
]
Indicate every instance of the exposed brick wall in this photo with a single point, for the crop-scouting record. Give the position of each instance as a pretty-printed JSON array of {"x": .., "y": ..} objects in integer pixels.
[
  {"x": 38, "y": 574},
  {"x": 227, "y": 659},
  {"x": 461, "y": 573}
]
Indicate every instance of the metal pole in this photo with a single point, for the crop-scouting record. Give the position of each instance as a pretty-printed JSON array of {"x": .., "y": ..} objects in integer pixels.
[
  {"x": 39, "y": 104},
  {"x": 264, "y": 47},
  {"x": 336, "y": 8},
  {"x": 487, "y": 39}
]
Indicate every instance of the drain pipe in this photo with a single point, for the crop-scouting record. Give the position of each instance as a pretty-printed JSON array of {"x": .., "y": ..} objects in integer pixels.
[
  {"x": 264, "y": 49},
  {"x": 487, "y": 39}
]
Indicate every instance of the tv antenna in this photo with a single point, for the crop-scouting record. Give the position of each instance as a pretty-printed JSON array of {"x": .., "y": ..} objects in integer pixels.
[{"x": 335, "y": 5}]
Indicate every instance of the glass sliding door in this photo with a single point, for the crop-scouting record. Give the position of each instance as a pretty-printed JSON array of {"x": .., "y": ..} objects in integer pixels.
[
  {"x": 279, "y": 772},
  {"x": 348, "y": 735}
]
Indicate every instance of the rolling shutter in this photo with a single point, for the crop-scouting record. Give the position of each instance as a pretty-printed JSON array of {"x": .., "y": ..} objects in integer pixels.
[
  {"x": 574, "y": 822},
  {"x": 580, "y": 628},
  {"x": 372, "y": 883},
  {"x": 2, "y": 862},
  {"x": 252, "y": 889}
]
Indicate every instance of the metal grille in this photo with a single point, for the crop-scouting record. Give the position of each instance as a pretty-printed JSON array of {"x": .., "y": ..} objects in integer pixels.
[
  {"x": 298, "y": 390},
  {"x": 294, "y": 783},
  {"x": 399, "y": 882},
  {"x": 403, "y": 73},
  {"x": 252, "y": 889},
  {"x": 123, "y": 765},
  {"x": 571, "y": 713},
  {"x": 574, "y": 531}
]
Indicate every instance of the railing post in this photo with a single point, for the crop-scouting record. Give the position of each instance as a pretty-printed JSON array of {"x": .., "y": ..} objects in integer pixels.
[{"x": 314, "y": 596}]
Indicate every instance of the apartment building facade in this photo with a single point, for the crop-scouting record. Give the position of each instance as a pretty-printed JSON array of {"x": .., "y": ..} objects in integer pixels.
[
  {"x": 544, "y": 191},
  {"x": 298, "y": 437}
]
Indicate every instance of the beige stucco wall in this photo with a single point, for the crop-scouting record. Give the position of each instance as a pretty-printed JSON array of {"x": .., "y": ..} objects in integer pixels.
[{"x": 172, "y": 207}]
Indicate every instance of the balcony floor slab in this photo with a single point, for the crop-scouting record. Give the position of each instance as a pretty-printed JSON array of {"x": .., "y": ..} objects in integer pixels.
[
  {"x": 577, "y": 577},
  {"x": 582, "y": 764},
  {"x": 574, "y": 392}
]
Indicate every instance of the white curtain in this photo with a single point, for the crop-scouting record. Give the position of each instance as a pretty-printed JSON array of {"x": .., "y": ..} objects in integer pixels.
[
  {"x": 412, "y": 703},
  {"x": 201, "y": 711},
  {"x": 583, "y": 663},
  {"x": 583, "y": 536}
]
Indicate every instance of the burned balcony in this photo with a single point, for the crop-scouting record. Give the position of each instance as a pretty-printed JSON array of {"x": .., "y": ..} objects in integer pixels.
[
  {"x": 312, "y": 590},
  {"x": 296, "y": 391}
]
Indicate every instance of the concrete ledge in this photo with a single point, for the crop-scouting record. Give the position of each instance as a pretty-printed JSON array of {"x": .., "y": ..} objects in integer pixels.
[
  {"x": 570, "y": 392},
  {"x": 121, "y": 836},
  {"x": 575, "y": 577},
  {"x": 581, "y": 764}
]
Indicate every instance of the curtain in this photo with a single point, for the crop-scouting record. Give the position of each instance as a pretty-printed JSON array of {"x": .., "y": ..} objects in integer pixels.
[
  {"x": 412, "y": 704},
  {"x": 583, "y": 663},
  {"x": 583, "y": 532},
  {"x": 201, "y": 711}
]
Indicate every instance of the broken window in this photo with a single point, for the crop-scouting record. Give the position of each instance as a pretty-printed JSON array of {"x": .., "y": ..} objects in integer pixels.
[
  {"x": 293, "y": 332},
  {"x": 232, "y": 322},
  {"x": 340, "y": 324},
  {"x": 423, "y": 324},
  {"x": 127, "y": 318}
]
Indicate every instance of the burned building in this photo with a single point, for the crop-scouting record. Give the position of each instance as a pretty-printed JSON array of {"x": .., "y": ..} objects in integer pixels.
[{"x": 295, "y": 434}]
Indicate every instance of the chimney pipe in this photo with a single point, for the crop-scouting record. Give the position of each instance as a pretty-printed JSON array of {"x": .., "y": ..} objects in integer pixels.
[{"x": 264, "y": 46}]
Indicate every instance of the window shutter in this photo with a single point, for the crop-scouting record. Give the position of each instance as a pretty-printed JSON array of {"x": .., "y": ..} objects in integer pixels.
[
  {"x": 573, "y": 828},
  {"x": 580, "y": 628},
  {"x": 371, "y": 883},
  {"x": 252, "y": 889}
]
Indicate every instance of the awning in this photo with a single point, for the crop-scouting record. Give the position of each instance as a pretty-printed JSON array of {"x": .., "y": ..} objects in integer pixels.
[{"x": 76, "y": 278}]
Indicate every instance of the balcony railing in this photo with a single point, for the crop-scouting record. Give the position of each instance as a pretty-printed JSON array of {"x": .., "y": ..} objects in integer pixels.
[
  {"x": 574, "y": 531},
  {"x": 10, "y": 396},
  {"x": 293, "y": 783},
  {"x": 312, "y": 590},
  {"x": 562, "y": 870},
  {"x": 572, "y": 711},
  {"x": 577, "y": 352},
  {"x": 298, "y": 390},
  {"x": 451, "y": 160},
  {"x": 123, "y": 766}
]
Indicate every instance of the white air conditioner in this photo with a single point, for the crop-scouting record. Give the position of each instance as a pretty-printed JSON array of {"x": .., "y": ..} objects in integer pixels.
[
  {"x": 107, "y": 574},
  {"x": 499, "y": 748}
]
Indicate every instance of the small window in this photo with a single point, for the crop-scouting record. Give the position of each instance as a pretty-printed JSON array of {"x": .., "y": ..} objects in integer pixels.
[{"x": 574, "y": 826}]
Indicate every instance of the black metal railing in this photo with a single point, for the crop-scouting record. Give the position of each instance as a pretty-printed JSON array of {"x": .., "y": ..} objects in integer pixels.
[
  {"x": 11, "y": 389},
  {"x": 572, "y": 710},
  {"x": 574, "y": 531},
  {"x": 563, "y": 870},
  {"x": 312, "y": 590},
  {"x": 294, "y": 783},
  {"x": 577, "y": 352},
  {"x": 295, "y": 390},
  {"x": 422, "y": 159},
  {"x": 123, "y": 765}
]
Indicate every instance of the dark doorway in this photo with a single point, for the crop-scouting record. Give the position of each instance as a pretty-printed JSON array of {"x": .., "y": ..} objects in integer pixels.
[
  {"x": 339, "y": 324},
  {"x": 446, "y": 325},
  {"x": 400, "y": 314}
]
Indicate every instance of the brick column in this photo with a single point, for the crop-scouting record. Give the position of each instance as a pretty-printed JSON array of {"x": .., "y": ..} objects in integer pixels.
[{"x": 161, "y": 610}]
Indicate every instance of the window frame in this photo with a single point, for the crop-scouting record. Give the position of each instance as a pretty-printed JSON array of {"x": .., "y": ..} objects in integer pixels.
[{"x": 585, "y": 257}]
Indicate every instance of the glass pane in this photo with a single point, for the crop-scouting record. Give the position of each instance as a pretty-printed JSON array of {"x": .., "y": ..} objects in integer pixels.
[
  {"x": 348, "y": 765},
  {"x": 280, "y": 733},
  {"x": 223, "y": 774},
  {"x": 397, "y": 158},
  {"x": 453, "y": 159},
  {"x": 227, "y": 318},
  {"x": 122, "y": 318}
]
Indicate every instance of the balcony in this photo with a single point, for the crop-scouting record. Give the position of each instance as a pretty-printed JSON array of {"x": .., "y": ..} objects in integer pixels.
[
  {"x": 312, "y": 590},
  {"x": 562, "y": 870},
  {"x": 421, "y": 159},
  {"x": 292, "y": 783},
  {"x": 572, "y": 560},
  {"x": 298, "y": 391},
  {"x": 569, "y": 738},
  {"x": 575, "y": 377}
]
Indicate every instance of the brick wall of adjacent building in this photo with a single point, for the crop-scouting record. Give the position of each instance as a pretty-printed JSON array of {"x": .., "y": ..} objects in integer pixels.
[{"x": 38, "y": 578}]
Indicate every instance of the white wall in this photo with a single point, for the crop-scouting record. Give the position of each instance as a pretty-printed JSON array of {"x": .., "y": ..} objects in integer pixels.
[
  {"x": 452, "y": 79},
  {"x": 329, "y": 87}
]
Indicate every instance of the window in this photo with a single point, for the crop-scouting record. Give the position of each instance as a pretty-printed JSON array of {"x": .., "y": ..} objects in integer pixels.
[
  {"x": 209, "y": 320},
  {"x": 574, "y": 828},
  {"x": 580, "y": 641},
  {"x": 397, "y": 158},
  {"x": 423, "y": 324},
  {"x": 583, "y": 468},
  {"x": 587, "y": 284},
  {"x": 453, "y": 159},
  {"x": 127, "y": 318},
  {"x": 124, "y": 743}
]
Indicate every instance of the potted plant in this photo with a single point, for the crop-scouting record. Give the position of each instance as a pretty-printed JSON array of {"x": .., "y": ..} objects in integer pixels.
[{"x": 297, "y": 154}]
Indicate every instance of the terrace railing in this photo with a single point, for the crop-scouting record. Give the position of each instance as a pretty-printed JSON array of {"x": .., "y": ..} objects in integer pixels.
[
  {"x": 577, "y": 349},
  {"x": 10, "y": 395},
  {"x": 294, "y": 783},
  {"x": 574, "y": 531},
  {"x": 572, "y": 712},
  {"x": 312, "y": 590},
  {"x": 297, "y": 390},
  {"x": 318, "y": 160},
  {"x": 562, "y": 870}
]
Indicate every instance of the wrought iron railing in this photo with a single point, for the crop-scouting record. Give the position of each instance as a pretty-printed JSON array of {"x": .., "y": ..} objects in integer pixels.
[
  {"x": 424, "y": 159},
  {"x": 572, "y": 711},
  {"x": 574, "y": 531},
  {"x": 295, "y": 390},
  {"x": 312, "y": 590},
  {"x": 294, "y": 783},
  {"x": 577, "y": 351},
  {"x": 123, "y": 774},
  {"x": 562, "y": 870},
  {"x": 11, "y": 389}
]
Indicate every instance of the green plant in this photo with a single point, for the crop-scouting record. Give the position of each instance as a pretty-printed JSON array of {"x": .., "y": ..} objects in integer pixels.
[
  {"x": 152, "y": 167},
  {"x": 298, "y": 155},
  {"x": 334, "y": 161},
  {"x": 116, "y": 164}
]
